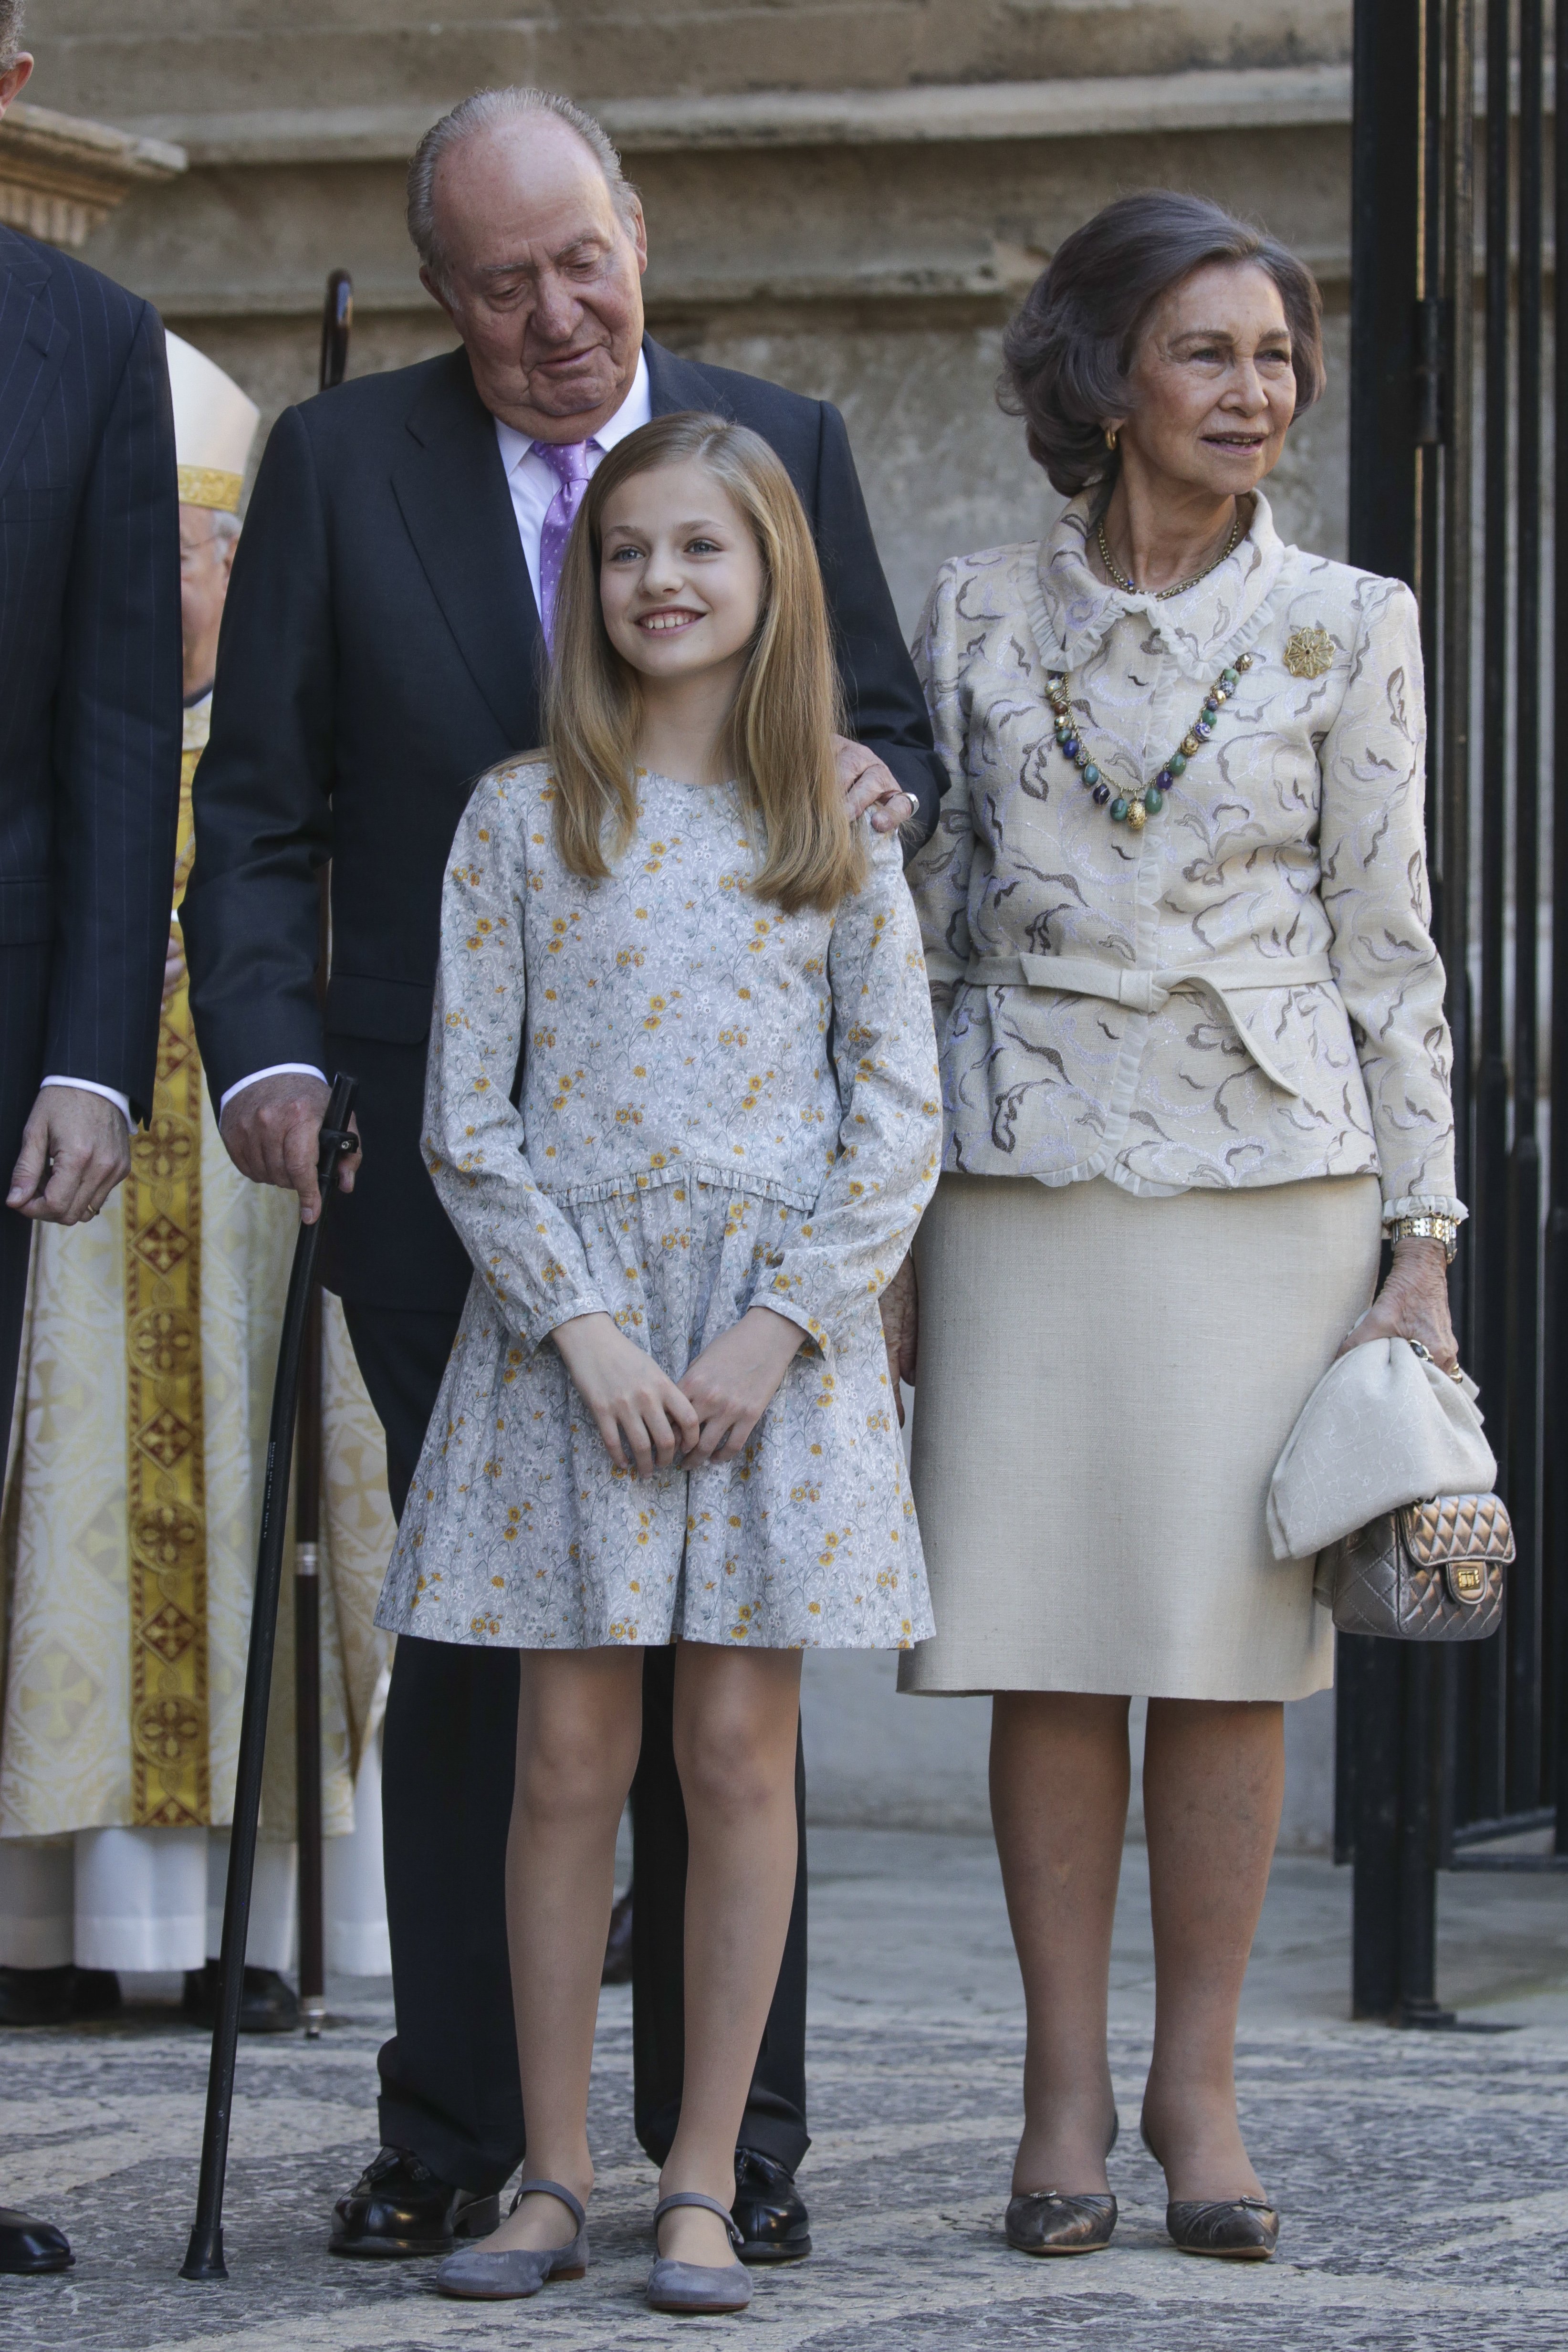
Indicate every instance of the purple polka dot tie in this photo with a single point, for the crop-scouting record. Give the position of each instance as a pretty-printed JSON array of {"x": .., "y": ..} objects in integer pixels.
[{"x": 571, "y": 463}]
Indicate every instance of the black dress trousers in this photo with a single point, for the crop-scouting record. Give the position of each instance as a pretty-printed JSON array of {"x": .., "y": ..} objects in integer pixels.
[{"x": 449, "y": 2078}]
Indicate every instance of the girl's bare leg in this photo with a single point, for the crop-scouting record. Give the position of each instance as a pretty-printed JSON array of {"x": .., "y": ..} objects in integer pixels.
[
  {"x": 736, "y": 1712},
  {"x": 1060, "y": 1780},
  {"x": 1214, "y": 1779},
  {"x": 579, "y": 1725}
]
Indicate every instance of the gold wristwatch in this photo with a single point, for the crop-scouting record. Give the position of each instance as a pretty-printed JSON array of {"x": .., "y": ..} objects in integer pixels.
[{"x": 1427, "y": 1228}]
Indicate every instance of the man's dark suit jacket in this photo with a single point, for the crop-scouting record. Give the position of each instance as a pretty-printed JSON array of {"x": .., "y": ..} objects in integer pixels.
[
  {"x": 380, "y": 650},
  {"x": 89, "y": 674}
]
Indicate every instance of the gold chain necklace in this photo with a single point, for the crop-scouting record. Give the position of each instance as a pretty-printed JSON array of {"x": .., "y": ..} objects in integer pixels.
[{"x": 1130, "y": 587}]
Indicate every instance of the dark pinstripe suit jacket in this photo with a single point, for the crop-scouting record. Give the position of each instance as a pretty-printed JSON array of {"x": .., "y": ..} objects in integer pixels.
[{"x": 89, "y": 661}]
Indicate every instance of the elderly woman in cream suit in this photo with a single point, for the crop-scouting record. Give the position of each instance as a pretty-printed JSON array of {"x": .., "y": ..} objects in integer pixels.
[{"x": 1195, "y": 1067}]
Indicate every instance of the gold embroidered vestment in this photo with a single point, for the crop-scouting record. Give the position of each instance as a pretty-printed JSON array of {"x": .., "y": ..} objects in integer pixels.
[{"x": 165, "y": 1481}]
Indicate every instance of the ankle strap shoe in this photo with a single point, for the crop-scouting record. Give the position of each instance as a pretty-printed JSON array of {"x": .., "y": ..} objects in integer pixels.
[
  {"x": 698, "y": 2286},
  {"x": 475, "y": 2274}
]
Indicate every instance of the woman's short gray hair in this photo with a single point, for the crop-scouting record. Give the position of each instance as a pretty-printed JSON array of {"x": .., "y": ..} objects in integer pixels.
[
  {"x": 483, "y": 111},
  {"x": 10, "y": 32},
  {"x": 1070, "y": 343}
]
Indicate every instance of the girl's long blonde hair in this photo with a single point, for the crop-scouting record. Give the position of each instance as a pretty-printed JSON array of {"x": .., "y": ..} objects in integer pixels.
[{"x": 779, "y": 739}]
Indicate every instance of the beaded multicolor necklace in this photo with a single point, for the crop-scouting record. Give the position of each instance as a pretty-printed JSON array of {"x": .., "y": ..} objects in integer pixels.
[{"x": 1133, "y": 808}]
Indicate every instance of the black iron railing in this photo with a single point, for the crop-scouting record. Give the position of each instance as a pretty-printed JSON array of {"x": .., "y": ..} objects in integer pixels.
[{"x": 1444, "y": 1757}]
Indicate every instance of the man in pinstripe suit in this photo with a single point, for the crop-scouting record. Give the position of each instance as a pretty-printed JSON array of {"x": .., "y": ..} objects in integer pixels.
[{"x": 89, "y": 763}]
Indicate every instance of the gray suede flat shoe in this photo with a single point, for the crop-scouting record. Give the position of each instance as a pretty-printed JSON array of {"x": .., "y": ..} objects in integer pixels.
[
  {"x": 698, "y": 2286},
  {"x": 480, "y": 2274}
]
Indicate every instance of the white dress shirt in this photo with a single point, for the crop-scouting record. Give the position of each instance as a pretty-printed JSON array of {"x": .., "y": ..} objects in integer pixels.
[{"x": 533, "y": 488}]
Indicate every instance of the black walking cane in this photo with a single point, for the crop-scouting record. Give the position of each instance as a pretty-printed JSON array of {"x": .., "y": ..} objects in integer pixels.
[
  {"x": 337, "y": 318},
  {"x": 203, "y": 2256}
]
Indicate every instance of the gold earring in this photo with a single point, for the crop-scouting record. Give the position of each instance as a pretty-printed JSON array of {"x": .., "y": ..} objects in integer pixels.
[{"x": 1110, "y": 437}]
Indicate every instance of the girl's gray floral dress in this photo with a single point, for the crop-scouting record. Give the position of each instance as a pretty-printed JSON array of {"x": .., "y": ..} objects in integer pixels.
[{"x": 722, "y": 1105}]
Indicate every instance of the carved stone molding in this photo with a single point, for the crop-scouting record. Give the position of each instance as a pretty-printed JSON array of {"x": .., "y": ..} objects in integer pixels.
[
  {"x": 1216, "y": 100},
  {"x": 60, "y": 176}
]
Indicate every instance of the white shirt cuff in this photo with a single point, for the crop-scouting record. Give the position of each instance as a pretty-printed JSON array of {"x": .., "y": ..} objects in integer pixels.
[
  {"x": 274, "y": 1070},
  {"x": 91, "y": 1087}
]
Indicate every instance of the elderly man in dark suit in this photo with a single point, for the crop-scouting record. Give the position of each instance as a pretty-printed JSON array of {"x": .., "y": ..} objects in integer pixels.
[
  {"x": 382, "y": 647},
  {"x": 89, "y": 763}
]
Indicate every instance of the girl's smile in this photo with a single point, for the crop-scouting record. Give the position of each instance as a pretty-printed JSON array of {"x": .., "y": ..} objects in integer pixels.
[{"x": 661, "y": 622}]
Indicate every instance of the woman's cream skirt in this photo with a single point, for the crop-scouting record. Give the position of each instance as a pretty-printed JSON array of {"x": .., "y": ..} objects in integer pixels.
[{"x": 1105, "y": 1384}]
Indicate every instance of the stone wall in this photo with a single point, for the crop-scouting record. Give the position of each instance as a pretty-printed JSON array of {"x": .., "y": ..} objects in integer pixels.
[{"x": 847, "y": 195}]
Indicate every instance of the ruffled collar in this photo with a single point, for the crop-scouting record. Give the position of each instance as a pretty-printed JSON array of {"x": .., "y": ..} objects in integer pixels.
[{"x": 1072, "y": 610}]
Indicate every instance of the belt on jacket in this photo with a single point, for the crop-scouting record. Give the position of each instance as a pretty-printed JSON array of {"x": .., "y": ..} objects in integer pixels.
[{"x": 1145, "y": 991}]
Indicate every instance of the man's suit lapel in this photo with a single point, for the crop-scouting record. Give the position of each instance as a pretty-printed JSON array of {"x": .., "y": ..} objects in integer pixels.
[
  {"x": 451, "y": 488},
  {"x": 673, "y": 384},
  {"x": 33, "y": 345}
]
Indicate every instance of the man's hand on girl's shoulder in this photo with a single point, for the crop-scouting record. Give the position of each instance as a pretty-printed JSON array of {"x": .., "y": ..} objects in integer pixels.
[{"x": 870, "y": 783}]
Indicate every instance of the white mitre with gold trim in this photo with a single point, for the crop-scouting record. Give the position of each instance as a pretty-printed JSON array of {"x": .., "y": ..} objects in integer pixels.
[{"x": 215, "y": 425}]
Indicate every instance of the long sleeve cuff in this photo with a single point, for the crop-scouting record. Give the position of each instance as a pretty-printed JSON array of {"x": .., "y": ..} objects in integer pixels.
[
  {"x": 273, "y": 1070},
  {"x": 1424, "y": 1204},
  {"x": 91, "y": 1087}
]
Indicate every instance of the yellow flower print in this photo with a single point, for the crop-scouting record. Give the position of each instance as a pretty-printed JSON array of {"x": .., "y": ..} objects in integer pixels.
[{"x": 646, "y": 1183}]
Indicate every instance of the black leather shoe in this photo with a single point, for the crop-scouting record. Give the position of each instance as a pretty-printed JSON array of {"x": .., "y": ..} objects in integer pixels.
[
  {"x": 774, "y": 2225},
  {"x": 618, "y": 1949},
  {"x": 28, "y": 2248},
  {"x": 267, "y": 2004},
  {"x": 57, "y": 1996},
  {"x": 398, "y": 2207},
  {"x": 96, "y": 1993},
  {"x": 36, "y": 1996}
]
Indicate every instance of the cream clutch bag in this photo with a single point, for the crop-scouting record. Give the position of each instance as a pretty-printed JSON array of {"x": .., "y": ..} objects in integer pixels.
[{"x": 1385, "y": 1480}]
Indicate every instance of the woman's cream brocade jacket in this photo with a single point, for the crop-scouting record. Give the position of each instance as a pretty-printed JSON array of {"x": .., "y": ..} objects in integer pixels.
[{"x": 1287, "y": 865}]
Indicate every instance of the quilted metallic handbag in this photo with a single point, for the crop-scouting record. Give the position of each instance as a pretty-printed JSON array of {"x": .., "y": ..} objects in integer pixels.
[{"x": 1430, "y": 1572}]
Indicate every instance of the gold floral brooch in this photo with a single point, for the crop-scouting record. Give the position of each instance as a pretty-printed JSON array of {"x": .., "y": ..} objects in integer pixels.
[{"x": 1308, "y": 653}]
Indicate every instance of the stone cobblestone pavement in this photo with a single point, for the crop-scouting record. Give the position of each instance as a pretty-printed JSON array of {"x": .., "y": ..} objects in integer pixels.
[{"x": 1422, "y": 2176}]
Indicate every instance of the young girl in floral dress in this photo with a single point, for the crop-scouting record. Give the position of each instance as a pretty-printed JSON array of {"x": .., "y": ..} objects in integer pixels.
[{"x": 668, "y": 1415}]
